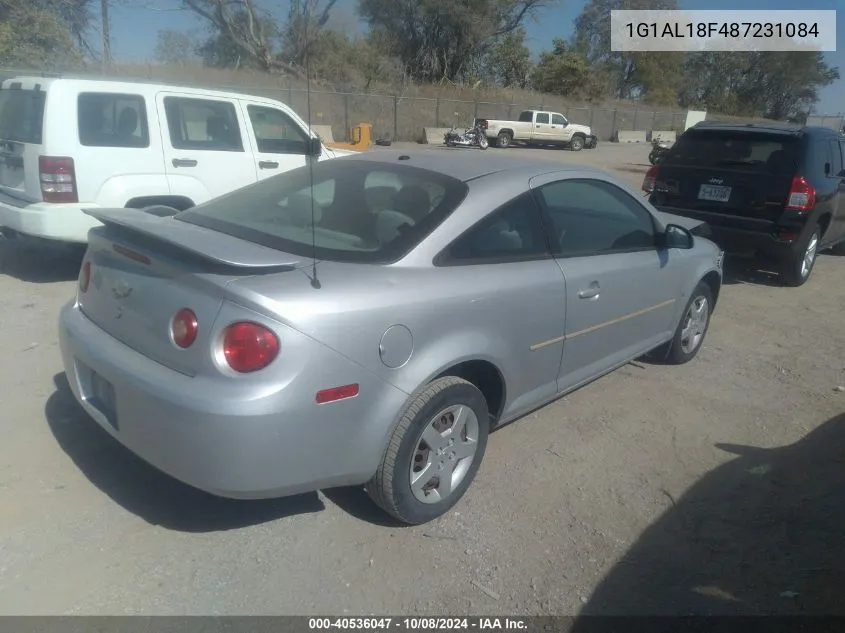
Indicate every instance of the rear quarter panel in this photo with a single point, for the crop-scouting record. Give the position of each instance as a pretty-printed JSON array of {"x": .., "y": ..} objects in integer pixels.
[{"x": 106, "y": 176}]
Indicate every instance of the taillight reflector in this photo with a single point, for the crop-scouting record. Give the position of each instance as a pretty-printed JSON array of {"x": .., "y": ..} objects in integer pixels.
[
  {"x": 650, "y": 179},
  {"x": 184, "y": 328},
  {"x": 58, "y": 179},
  {"x": 85, "y": 277},
  {"x": 337, "y": 393},
  {"x": 802, "y": 195},
  {"x": 249, "y": 347}
]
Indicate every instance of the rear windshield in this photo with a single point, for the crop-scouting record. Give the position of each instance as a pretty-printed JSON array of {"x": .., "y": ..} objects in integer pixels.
[
  {"x": 22, "y": 115},
  {"x": 364, "y": 211},
  {"x": 753, "y": 151}
]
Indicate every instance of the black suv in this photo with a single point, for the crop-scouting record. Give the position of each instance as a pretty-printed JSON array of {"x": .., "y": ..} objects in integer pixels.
[{"x": 774, "y": 190}]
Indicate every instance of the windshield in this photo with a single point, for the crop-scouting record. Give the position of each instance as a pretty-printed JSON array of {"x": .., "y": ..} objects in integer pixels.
[
  {"x": 22, "y": 115},
  {"x": 754, "y": 151},
  {"x": 364, "y": 211}
]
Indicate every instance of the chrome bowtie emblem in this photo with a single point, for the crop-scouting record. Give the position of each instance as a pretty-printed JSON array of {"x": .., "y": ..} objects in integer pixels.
[{"x": 121, "y": 289}]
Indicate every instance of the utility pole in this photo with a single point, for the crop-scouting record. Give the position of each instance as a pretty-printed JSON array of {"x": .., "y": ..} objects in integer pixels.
[{"x": 104, "y": 11}]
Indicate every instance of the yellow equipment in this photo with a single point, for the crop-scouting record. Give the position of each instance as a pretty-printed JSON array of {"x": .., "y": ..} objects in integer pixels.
[{"x": 361, "y": 135}]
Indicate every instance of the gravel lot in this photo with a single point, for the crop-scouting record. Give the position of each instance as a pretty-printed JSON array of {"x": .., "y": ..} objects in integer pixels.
[{"x": 708, "y": 488}]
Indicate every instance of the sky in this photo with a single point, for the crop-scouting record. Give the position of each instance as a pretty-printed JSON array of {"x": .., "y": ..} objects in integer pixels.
[{"x": 135, "y": 24}]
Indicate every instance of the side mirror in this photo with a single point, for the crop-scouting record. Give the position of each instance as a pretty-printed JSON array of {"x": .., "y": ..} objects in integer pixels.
[
  {"x": 677, "y": 237},
  {"x": 314, "y": 147}
]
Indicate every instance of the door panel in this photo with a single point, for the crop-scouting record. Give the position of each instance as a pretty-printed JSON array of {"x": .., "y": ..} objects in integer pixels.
[
  {"x": 205, "y": 148},
  {"x": 837, "y": 224},
  {"x": 278, "y": 143},
  {"x": 560, "y": 128},
  {"x": 621, "y": 289},
  {"x": 542, "y": 127},
  {"x": 618, "y": 306}
]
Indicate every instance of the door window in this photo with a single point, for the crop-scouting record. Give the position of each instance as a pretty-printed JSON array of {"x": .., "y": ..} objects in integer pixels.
[
  {"x": 112, "y": 120},
  {"x": 592, "y": 217},
  {"x": 276, "y": 132},
  {"x": 543, "y": 117},
  {"x": 203, "y": 124},
  {"x": 514, "y": 232},
  {"x": 557, "y": 119}
]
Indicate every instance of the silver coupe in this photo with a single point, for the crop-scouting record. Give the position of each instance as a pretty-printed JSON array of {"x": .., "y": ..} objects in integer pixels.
[{"x": 368, "y": 320}]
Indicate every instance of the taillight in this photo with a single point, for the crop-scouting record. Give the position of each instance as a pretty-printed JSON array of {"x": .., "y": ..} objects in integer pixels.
[
  {"x": 249, "y": 346},
  {"x": 802, "y": 195},
  {"x": 484, "y": 124},
  {"x": 58, "y": 179},
  {"x": 184, "y": 328},
  {"x": 85, "y": 277},
  {"x": 650, "y": 179}
]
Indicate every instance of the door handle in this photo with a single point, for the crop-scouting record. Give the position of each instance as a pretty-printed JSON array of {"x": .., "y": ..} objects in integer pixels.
[
  {"x": 268, "y": 164},
  {"x": 590, "y": 293},
  {"x": 184, "y": 162}
]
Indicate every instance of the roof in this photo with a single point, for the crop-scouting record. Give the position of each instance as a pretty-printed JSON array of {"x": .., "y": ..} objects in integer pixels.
[
  {"x": 465, "y": 164},
  {"x": 89, "y": 81},
  {"x": 774, "y": 127}
]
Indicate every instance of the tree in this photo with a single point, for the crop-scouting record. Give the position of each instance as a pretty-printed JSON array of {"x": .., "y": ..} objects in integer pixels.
[
  {"x": 564, "y": 72},
  {"x": 633, "y": 74},
  {"x": 34, "y": 37},
  {"x": 174, "y": 47},
  {"x": 509, "y": 60},
  {"x": 438, "y": 41}
]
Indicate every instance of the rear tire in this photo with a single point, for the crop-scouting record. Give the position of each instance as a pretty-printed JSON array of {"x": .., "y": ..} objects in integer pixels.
[
  {"x": 797, "y": 267},
  {"x": 504, "y": 140},
  {"x": 422, "y": 448}
]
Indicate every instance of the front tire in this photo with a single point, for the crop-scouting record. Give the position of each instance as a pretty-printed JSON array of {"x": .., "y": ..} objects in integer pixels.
[
  {"x": 434, "y": 452},
  {"x": 689, "y": 336},
  {"x": 797, "y": 267},
  {"x": 576, "y": 144},
  {"x": 483, "y": 143}
]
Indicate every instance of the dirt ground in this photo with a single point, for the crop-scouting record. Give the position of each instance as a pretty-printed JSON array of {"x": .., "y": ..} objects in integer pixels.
[{"x": 709, "y": 488}]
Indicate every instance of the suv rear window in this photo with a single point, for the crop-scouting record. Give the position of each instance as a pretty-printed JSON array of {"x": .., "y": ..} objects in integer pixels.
[
  {"x": 365, "y": 211},
  {"x": 22, "y": 115},
  {"x": 750, "y": 151},
  {"x": 112, "y": 120}
]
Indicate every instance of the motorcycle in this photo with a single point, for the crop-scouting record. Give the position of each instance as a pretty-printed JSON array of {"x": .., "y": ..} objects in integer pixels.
[
  {"x": 471, "y": 137},
  {"x": 659, "y": 147}
]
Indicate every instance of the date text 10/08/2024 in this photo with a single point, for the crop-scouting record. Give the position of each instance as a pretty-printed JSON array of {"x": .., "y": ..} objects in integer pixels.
[
  {"x": 725, "y": 29},
  {"x": 418, "y": 624}
]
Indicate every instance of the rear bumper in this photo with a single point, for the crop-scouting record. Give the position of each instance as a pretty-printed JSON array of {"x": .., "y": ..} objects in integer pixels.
[
  {"x": 60, "y": 222},
  {"x": 219, "y": 436},
  {"x": 736, "y": 236}
]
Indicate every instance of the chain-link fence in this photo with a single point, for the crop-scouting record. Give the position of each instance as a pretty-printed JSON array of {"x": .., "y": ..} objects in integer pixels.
[{"x": 402, "y": 117}]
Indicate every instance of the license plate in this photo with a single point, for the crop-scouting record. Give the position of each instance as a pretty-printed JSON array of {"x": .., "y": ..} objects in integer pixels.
[
  {"x": 102, "y": 397},
  {"x": 714, "y": 193}
]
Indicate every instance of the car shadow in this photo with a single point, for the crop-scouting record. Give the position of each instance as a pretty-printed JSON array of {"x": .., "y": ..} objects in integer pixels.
[
  {"x": 759, "y": 535},
  {"x": 740, "y": 270},
  {"x": 40, "y": 261},
  {"x": 147, "y": 492}
]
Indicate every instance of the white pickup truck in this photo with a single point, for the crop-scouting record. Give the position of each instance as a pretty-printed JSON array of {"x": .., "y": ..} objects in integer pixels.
[{"x": 538, "y": 127}]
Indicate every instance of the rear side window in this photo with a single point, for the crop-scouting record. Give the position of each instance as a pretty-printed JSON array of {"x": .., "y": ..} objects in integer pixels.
[
  {"x": 22, "y": 115},
  {"x": 526, "y": 117},
  {"x": 203, "y": 124},
  {"x": 751, "y": 151},
  {"x": 112, "y": 120}
]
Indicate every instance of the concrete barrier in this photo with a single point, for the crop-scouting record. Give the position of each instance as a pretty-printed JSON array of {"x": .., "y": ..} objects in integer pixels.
[
  {"x": 324, "y": 132},
  {"x": 668, "y": 136},
  {"x": 630, "y": 137},
  {"x": 434, "y": 135}
]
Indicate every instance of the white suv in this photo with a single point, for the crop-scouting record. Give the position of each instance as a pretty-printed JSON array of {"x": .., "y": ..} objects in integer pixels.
[{"x": 67, "y": 144}]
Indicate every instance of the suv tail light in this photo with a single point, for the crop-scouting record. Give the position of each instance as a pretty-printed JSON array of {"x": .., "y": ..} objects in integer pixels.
[
  {"x": 85, "y": 277},
  {"x": 58, "y": 179},
  {"x": 249, "y": 346},
  {"x": 802, "y": 195},
  {"x": 184, "y": 328},
  {"x": 650, "y": 178}
]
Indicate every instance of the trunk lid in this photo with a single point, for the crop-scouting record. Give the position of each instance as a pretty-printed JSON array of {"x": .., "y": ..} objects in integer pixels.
[
  {"x": 21, "y": 138},
  {"x": 729, "y": 173},
  {"x": 145, "y": 268}
]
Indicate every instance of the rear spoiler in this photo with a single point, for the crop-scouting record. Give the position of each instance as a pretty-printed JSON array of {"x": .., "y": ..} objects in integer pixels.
[{"x": 159, "y": 228}]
